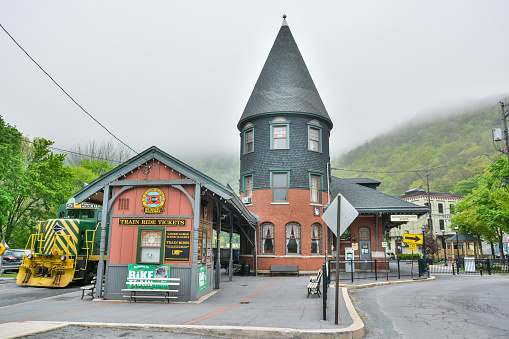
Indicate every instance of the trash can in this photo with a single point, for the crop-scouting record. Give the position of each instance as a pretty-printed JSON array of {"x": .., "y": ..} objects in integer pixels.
[{"x": 245, "y": 270}]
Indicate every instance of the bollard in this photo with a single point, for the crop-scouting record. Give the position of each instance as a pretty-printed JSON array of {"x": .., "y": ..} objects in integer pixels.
[
  {"x": 453, "y": 271},
  {"x": 480, "y": 268},
  {"x": 376, "y": 276},
  {"x": 427, "y": 267},
  {"x": 324, "y": 290}
]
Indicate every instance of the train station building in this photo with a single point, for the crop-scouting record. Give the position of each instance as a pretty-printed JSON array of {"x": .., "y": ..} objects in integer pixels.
[{"x": 161, "y": 211}]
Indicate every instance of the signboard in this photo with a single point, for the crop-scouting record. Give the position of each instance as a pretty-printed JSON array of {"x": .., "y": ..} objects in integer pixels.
[
  {"x": 348, "y": 213},
  {"x": 412, "y": 238},
  {"x": 151, "y": 222},
  {"x": 3, "y": 247},
  {"x": 384, "y": 244},
  {"x": 412, "y": 246},
  {"x": 202, "y": 278},
  {"x": 177, "y": 246},
  {"x": 404, "y": 218},
  {"x": 153, "y": 201},
  {"x": 82, "y": 206},
  {"x": 149, "y": 272}
]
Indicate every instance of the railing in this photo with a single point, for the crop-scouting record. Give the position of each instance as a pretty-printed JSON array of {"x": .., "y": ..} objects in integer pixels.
[{"x": 470, "y": 266}]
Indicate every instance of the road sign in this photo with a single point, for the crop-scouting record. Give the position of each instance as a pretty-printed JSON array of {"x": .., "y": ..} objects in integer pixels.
[
  {"x": 412, "y": 246},
  {"x": 3, "y": 247},
  {"x": 348, "y": 213},
  {"x": 412, "y": 238},
  {"x": 384, "y": 244}
]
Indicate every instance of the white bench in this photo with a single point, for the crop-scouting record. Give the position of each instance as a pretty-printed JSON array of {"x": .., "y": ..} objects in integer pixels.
[
  {"x": 314, "y": 284},
  {"x": 89, "y": 289},
  {"x": 148, "y": 292}
]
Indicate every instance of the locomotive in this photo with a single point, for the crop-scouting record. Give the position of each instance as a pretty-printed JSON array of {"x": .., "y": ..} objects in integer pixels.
[{"x": 64, "y": 249}]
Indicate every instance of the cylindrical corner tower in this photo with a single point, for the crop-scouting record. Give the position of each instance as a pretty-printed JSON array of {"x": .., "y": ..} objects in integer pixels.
[{"x": 283, "y": 161}]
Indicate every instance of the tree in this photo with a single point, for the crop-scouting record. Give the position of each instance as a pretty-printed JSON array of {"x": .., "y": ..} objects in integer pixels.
[
  {"x": 44, "y": 183},
  {"x": 94, "y": 151},
  {"x": 11, "y": 171},
  {"x": 485, "y": 211}
]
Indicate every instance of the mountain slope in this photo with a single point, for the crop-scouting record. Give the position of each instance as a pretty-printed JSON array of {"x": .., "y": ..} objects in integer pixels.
[{"x": 450, "y": 148}]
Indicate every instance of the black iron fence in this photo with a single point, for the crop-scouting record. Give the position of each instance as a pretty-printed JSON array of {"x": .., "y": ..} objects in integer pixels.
[
  {"x": 470, "y": 266},
  {"x": 391, "y": 270}
]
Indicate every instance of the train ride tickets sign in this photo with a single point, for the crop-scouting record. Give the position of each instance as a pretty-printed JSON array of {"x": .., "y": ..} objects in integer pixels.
[
  {"x": 177, "y": 246},
  {"x": 151, "y": 222}
]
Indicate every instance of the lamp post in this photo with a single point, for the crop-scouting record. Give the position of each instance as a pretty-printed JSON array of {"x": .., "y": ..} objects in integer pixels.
[
  {"x": 457, "y": 242},
  {"x": 444, "y": 245},
  {"x": 423, "y": 227}
]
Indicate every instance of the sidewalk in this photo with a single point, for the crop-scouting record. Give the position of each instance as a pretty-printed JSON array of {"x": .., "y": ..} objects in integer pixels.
[{"x": 247, "y": 307}]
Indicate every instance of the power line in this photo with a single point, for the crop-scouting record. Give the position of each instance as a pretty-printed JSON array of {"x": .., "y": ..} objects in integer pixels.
[
  {"x": 63, "y": 150},
  {"x": 68, "y": 95}
]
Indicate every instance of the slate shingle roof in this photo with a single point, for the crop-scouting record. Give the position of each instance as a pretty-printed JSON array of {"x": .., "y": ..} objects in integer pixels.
[
  {"x": 284, "y": 85},
  {"x": 368, "y": 200}
]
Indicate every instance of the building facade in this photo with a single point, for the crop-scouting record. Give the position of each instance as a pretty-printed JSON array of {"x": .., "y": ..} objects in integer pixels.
[
  {"x": 441, "y": 206},
  {"x": 285, "y": 178}
]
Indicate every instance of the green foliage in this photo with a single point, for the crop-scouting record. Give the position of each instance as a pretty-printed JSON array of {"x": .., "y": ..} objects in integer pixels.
[
  {"x": 11, "y": 170},
  {"x": 408, "y": 256},
  {"x": 454, "y": 148},
  {"x": 485, "y": 211}
]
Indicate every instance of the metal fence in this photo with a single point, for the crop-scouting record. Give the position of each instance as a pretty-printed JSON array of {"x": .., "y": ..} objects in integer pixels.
[
  {"x": 470, "y": 266},
  {"x": 352, "y": 270},
  {"x": 379, "y": 270}
]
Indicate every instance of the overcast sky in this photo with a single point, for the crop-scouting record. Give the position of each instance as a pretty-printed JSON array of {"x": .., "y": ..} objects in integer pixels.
[{"x": 178, "y": 74}]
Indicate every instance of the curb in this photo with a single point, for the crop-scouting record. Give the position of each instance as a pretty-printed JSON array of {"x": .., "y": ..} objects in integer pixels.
[
  {"x": 353, "y": 331},
  {"x": 382, "y": 283}
]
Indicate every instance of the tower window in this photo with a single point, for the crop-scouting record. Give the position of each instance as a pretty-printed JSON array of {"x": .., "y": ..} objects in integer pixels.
[
  {"x": 248, "y": 181},
  {"x": 292, "y": 238},
  {"x": 249, "y": 137},
  {"x": 316, "y": 238},
  {"x": 315, "y": 188},
  {"x": 280, "y": 187},
  {"x": 440, "y": 208},
  {"x": 267, "y": 238},
  {"x": 279, "y": 131},
  {"x": 280, "y": 137},
  {"x": 314, "y": 139}
]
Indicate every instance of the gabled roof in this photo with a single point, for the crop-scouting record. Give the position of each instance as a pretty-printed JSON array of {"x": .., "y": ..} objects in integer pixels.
[
  {"x": 369, "y": 200},
  {"x": 94, "y": 191},
  {"x": 284, "y": 85}
]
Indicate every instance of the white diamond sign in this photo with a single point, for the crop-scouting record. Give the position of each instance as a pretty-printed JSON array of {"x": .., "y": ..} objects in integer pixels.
[{"x": 348, "y": 213}]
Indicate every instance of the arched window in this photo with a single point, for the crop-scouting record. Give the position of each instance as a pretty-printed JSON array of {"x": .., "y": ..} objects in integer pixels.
[
  {"x": 292, "y": 238},
  {"x": 316, "y": 238},
  {"x": 267, "y": 238}
]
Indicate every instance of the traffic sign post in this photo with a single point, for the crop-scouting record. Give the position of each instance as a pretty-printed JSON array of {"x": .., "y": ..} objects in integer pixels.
[{"x": 413, "y": 238}]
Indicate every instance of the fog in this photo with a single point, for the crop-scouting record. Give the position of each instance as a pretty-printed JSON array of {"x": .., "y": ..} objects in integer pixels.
[{"x": 178, "y": 75}]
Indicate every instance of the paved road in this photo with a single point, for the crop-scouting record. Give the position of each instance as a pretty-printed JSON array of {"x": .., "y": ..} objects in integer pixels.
[{"x": 449, "y": 307}]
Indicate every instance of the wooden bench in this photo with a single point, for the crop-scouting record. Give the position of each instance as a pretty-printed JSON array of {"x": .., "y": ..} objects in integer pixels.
[
  {"x": 314, "y": 284},
  {"x": 287, "y": 269},
  {"x": 89, "y": 289},
  {"x": 148, "y": 292}
]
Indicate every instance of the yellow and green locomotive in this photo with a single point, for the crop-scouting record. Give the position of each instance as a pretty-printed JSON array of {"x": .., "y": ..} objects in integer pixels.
[{"x": 63, "y": 249}]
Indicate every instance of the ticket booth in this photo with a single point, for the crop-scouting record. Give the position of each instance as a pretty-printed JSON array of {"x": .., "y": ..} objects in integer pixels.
[{"x": 160, "y": 216}]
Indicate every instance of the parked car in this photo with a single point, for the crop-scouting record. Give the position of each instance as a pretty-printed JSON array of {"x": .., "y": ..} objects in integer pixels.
[{"x": 12, "y": 259}]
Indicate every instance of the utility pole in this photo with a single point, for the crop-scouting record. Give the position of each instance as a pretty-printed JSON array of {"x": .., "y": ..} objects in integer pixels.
[
  {"x": 504, "y": 120},
  {"x": 430, "y": 222}
]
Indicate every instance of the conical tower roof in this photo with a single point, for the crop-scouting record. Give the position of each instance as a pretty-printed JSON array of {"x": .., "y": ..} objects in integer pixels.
[{"x": 284, "y": 85}]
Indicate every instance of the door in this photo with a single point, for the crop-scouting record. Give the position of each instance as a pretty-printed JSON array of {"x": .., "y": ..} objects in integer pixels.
[{"x": 364, "y": 248}]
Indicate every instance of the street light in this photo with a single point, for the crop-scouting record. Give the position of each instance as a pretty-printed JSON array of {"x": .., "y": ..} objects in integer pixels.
[
  {"x": 444, "y": 245},
  {"x": 424, "y": 245},
  {"x": 457, "y": 242}
]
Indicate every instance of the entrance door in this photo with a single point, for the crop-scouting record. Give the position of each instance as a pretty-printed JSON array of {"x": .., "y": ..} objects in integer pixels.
[{"x": 364, "y": 248}]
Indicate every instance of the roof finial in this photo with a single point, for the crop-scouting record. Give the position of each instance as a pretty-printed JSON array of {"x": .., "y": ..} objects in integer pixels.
[
  {"x": 284, "y": 16},
  {"x": 284, "y": 20}
]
